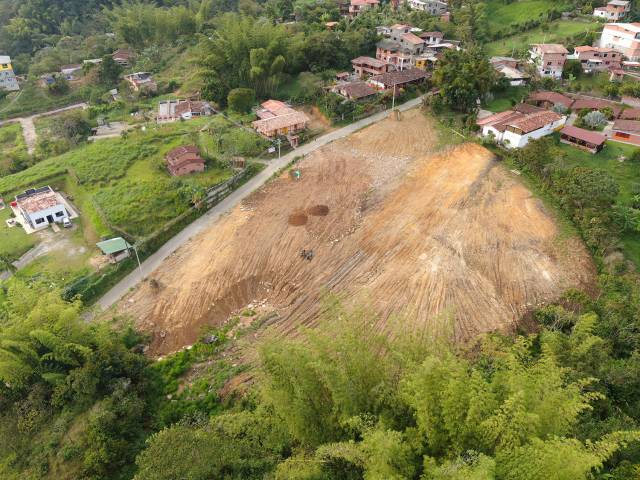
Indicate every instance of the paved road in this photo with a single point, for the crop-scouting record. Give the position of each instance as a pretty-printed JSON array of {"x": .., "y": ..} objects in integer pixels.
[
  {"x": 209, "y": 218},
  {"x": 29, "y": 128}
]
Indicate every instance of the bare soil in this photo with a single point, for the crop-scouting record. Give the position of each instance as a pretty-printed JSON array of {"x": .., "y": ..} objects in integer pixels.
[{"x": 450, "y": 240}]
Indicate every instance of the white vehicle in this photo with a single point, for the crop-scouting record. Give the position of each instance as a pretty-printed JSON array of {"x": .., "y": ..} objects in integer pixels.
[{"x": 66, "y": 223}]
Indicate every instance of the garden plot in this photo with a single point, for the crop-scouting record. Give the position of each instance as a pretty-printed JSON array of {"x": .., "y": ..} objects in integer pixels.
[{"x": 448, "y": 238}]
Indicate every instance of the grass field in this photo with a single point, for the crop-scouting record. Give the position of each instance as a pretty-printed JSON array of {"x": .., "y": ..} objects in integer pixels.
[
  {"x": 502, "y": 101},
  {"x": 561, "y": 31},
  {"x": 12, "y": 147},
  {"x": 500, "y": 14},
  {"x": 13, "y": 241}
]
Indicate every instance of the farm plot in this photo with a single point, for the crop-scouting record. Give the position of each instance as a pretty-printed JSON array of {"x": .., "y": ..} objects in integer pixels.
[{"x": 448, "y": 238}]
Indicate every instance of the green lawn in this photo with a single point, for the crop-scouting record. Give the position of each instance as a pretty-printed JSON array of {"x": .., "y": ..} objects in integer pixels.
[
  {"x": 500, "y": 14},
  {"x": 12, "y": 147},
  {"x": 561, "y": 31},
  {"x": 504, "y": 100},
  {"x": 13, "y": 241}
]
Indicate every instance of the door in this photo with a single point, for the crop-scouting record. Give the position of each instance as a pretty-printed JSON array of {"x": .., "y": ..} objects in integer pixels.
[{"x": 50, "y": 218}]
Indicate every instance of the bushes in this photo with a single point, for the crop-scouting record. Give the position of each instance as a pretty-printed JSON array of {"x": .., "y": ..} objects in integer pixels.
[{"x": 241, "y": 99}]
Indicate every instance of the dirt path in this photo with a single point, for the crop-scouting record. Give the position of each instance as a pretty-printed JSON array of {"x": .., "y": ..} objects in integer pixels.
[
  {"x": 447, "y": 237},
  {"x": 29, "y": 128}
]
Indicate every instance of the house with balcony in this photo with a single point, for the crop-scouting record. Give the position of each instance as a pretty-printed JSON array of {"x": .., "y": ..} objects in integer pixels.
[
  {"x": 614, "y": 11},
  {"x": 432, "y": 7},
  {"x": 623, "y": 37},
  {"x": 597, "y": 59},
  {"x": 276, "y": 119},
  {"x": 549, "y": 59},
  {"x": 366, "y": 66},
  {"x": 401, "y": 48}
]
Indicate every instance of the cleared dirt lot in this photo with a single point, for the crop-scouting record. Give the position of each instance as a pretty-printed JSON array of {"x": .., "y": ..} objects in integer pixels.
[{"x": 435, "y": 236}]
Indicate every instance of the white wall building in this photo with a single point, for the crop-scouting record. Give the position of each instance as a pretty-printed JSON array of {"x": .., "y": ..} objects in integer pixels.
[
  {"x": 624, "y": 37},
  {"x": 432, "y": 7},
  {"x": 35, "y": 209},
  {"x": 515, "y": 129},
  {"x": 615, "y": 10},
  {"x": 8, "y": 80}
]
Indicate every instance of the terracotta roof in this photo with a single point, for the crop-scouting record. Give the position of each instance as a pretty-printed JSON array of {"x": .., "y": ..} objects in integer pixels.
[
  {"x": 398, "y": 78},
  {"x": 496, "y": 118},
  {"x": 40, "y": 199},
  {"x": 595, "y": 104},
  {"x": 526, "y": 108},
  {"x": 122, "y": 53},
  {"x": 189, "y": 106},
  {"x": 281, "y": 121},
  {"x": 551, "y": 48},
  {"x": 412, "y": 38},
  {"x": 627, "y": 126},
  {"x": 586, "y": 48},
  {"x": 365, "y": 2},
  {"x": 551, "y": 97},
  {"x": 630, "y": 114},
  {"x": 177, "y": 153},
  {"x": 357, "y": 90},
  {"x": 431, "y": 34},
  {"x": 399, "y": 25},
  {"x": 585, "y": 135},
  {"x": 369, "y": 61},
  {"x": 273, "y": 105},
  {"x": 532, "y": 122}
]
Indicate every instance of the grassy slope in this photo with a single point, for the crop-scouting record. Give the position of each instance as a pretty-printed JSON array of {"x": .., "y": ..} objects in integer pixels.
[
  {"x": 13, "y": 241},
  {"x": 501, "y": 14},
  {"x": 11, "y": 146},
  {"x": 503, "y": 100},
  {"x": 559, "y": 31}
]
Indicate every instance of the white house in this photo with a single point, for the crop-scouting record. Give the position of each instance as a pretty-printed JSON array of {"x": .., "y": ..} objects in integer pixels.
[
  {"x": 8, "y": 80},
  {"x": 515, "y": 129},
  {"x": 35, "y": 209},
  {"x": 624, "y": 37},
  {"x": 432, "y": 7}
]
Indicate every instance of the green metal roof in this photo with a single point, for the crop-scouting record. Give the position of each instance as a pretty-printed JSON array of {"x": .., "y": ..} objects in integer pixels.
[{"x": 113, "y": 245}]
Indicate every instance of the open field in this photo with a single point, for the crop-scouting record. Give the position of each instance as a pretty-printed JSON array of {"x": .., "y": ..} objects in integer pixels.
[
  {"x": 560, "y": 31},
  {"x": 13, "y": 149},
  {"x": 446, "y": 236},
  {"x": 500, "y": 13}
]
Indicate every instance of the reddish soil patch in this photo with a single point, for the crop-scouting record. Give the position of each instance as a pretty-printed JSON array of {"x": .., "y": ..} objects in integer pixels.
[
  {"x": 297, "y": 219},
  {"x": 318, "y": 211}
]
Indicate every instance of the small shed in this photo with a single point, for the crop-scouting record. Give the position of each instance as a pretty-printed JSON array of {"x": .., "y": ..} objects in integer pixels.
[
  {"x": 117, "y": 249},
  {"x": 583, "y": 139}
]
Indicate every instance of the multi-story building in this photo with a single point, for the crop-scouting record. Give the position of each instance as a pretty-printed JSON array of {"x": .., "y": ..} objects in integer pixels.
[
  {"x": 365, "y": 66},
  {"x": 549, "y": 59},
  {"x": 8, "y": 79},
  {"x": 401, "y": 48},
  {"x": 624, "y": 37},
  {"x": 596, "y": 59},
  {"x": 432, "y": 7},
  {"x": 615, "y": 10},
  {"x": 356, "y": 7}
]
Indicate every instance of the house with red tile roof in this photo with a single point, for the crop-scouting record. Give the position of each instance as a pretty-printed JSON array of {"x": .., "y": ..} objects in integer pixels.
[
  {"x": 366, "y": 66},
  {"x": 276, "y": 118},
  {"x": 356, "y": 7},
  {"x": 184, "y": 160},
  {"x": 587, "y": 140},
  {"x": 514, "y": 129},
  {"x": 597, "y": 59}
]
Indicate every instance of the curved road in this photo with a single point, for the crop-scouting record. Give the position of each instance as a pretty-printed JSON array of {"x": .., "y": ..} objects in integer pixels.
[{"x": 209, "y": 218}]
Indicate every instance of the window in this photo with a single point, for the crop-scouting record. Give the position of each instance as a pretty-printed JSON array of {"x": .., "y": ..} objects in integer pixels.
[
  {"x": 59, "y": 214},
  {"x": 39, "y": 220}
]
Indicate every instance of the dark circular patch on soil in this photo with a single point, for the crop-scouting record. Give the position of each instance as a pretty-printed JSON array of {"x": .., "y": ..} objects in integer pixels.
[
  {"x": 318, "y": 210},
  {"x": 297, "y": 219}
]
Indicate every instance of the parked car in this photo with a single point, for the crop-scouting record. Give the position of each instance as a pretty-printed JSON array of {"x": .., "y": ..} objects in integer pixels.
[{"x": 66, "y": 223}]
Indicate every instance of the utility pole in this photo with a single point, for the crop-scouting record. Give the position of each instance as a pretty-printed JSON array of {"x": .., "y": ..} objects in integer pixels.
[
  {"x": 279, "y": 142},
  {"x": 138, "y": 258},
  {"x": 393, "y": 99}
]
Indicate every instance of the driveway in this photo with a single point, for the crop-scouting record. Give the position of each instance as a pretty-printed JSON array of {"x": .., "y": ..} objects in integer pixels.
[{"x": 237, "y": 196}]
